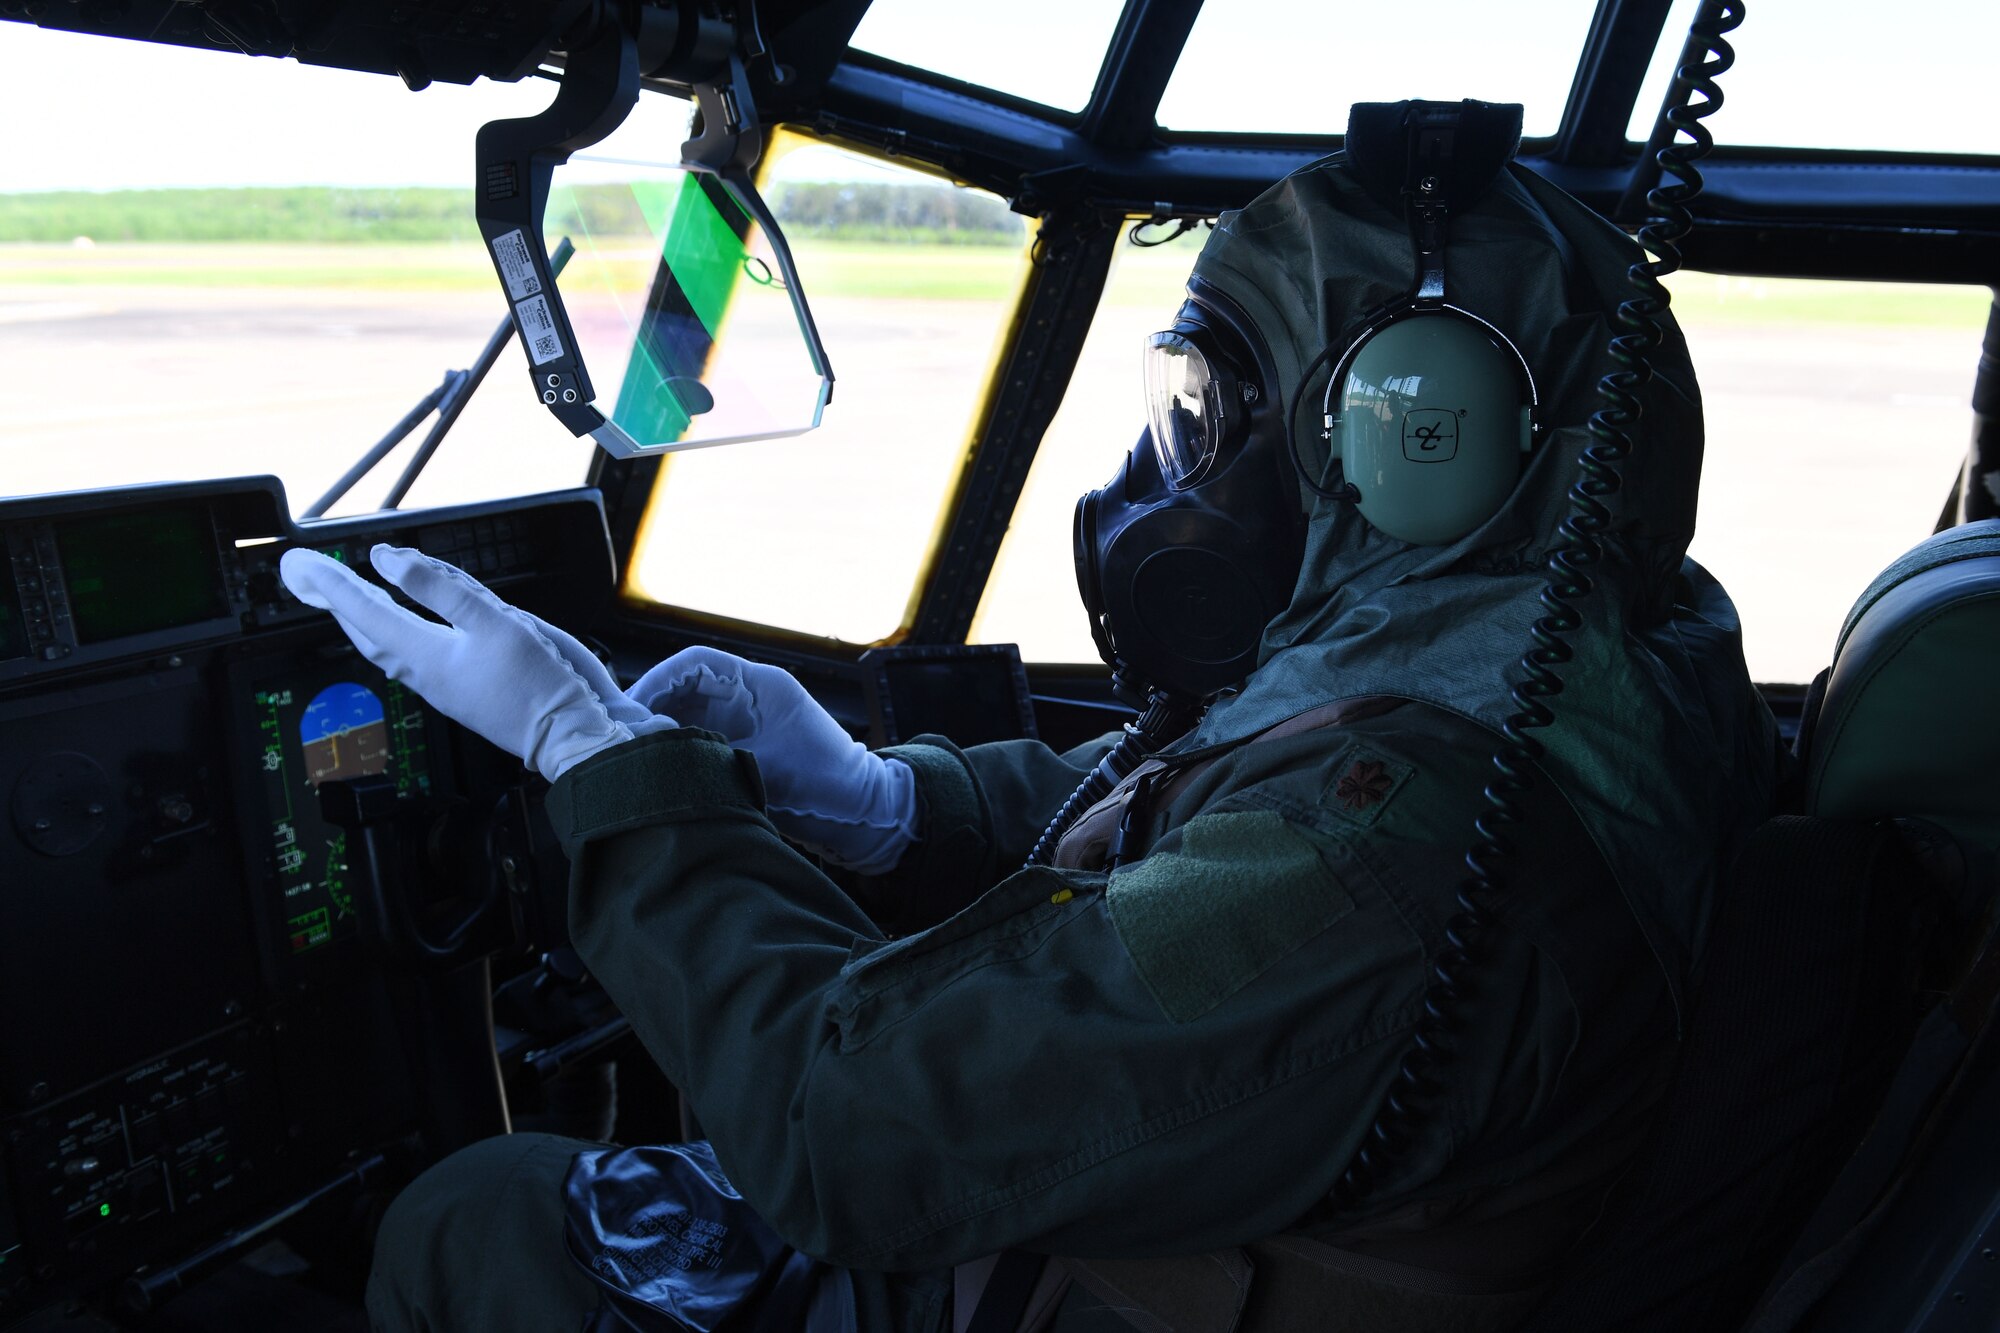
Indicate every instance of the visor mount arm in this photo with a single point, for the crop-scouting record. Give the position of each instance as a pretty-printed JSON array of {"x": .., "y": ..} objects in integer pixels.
[
  {"x": 729, "y": 139},
  {"x": 728, "y": 147},
  {"x": 517, "y": 162}
]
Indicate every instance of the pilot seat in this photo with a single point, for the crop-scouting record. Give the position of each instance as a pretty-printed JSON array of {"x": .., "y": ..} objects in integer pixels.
[{"x": 1840, "y": 1065}]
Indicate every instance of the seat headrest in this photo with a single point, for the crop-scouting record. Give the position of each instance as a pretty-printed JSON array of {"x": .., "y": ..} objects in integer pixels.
[{"x": 1910, "y": 725}]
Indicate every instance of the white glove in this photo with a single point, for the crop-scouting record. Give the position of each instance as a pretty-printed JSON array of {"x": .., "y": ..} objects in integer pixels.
[
  {"x": 822, "y": 787},
  {"x": 516, "y": 680}
]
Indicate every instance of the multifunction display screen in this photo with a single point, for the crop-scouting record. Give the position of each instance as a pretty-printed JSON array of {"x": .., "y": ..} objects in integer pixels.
[
  {"x": 13, "y": 632},
  {"x": 337, "y": 721},
  {"x": 134, "y": 573}
]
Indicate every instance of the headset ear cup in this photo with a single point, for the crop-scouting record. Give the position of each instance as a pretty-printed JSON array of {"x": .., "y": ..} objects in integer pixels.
[{"x": 1426, "y": 414}]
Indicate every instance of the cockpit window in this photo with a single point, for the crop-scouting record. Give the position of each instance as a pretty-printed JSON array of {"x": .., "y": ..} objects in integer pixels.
[
  {"x": 263, "y": 293},
  {"x": 1837, "y": 415},
  {"x": 912, "y": 281},
  {"x": 1810, "y": 76},
  {"x": 1045, "y": 51},
  {"x": 1311, "y": 60},
  {"x": 1031, "y": 598}
]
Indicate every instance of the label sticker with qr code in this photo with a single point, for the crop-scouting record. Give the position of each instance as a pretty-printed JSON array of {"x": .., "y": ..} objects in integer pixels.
[
  {"x": 538, "y": 329},
  {"x": 517, "y": 265}
]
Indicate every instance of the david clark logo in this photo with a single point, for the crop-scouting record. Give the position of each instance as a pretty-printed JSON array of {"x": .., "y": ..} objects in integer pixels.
[{"x": 1430, "y": 435}]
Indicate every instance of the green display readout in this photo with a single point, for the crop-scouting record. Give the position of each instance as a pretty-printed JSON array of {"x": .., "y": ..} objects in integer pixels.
[
  {"x": 13, "y": 633},
  {"x": 136, "y": 573},
  {"x": 320, "y": 727}
]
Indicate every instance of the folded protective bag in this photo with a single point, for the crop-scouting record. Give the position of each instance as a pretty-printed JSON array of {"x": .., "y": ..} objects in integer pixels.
[{"x": 674, "y": 1247}]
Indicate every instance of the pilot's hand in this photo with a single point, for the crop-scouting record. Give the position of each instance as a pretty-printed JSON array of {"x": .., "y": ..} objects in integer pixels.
[
  {"x": 521, "y": 683},
  {"x": 822, "y": 787}
]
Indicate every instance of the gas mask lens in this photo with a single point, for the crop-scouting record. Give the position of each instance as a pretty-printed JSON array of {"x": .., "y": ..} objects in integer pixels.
[{"x": 1183, "y": 407}]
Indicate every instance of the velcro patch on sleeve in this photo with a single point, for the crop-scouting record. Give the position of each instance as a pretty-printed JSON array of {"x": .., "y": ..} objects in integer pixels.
[
  {"x": 1205, "y": 918},
  {"x": 1363, "y": 784}
]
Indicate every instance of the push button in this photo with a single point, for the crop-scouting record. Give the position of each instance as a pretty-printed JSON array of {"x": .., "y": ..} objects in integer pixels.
[{"x": 88, "y": 1219}]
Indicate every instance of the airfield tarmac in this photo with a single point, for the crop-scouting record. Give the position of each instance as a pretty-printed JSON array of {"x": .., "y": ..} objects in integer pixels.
[{"x": 1830, "y": 445}]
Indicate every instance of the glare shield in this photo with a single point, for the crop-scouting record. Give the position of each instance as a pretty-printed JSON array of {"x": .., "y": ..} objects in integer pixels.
[
  {"x": 682, "y": 309},
  {"x": 1182, "y": 407}
]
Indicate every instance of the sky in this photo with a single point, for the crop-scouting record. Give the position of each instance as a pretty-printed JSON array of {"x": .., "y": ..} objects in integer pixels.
[{"x": 166, "y": 116}]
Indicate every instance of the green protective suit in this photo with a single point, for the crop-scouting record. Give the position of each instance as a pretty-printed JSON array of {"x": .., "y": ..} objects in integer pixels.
[
  {"x": 1182, "y": 1054},
  {"x": 1660, "y": 744}
]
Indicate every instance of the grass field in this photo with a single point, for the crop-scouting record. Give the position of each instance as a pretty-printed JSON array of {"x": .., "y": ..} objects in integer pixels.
[
  {"x": 928, "y": 272},
  {"x": 899, "y": 271}
]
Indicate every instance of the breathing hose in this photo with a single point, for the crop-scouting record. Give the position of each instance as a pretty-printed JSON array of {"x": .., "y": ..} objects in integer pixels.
[
  {"x": 1579, "y": 548},
  {"x": 1165, "y": 717}
]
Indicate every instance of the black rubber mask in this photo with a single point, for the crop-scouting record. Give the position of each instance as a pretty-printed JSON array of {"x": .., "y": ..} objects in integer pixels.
[{"x": 1191, "y": 549}]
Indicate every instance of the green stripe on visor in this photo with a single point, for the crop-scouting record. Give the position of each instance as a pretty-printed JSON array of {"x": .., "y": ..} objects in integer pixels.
[{"x": 675, "y": 297}]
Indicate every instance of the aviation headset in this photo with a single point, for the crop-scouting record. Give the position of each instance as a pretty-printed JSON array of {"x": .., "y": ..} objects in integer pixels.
[{"x": 1429, "y": 408}]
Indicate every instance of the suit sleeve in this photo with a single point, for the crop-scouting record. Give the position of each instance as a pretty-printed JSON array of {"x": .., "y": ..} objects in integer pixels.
[
  {"x": 1181, "y": 1055},
  {"x": 981, "y": 810}
]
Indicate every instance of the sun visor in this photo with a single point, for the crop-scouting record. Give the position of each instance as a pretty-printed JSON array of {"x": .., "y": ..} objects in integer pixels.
[
  {"x": 667, "y": 262},
  {"x": 669, "y": 256}
]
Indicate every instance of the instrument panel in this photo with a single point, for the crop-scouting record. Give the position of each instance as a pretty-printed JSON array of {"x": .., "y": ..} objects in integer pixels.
[
  {"x": 322, "y": 722},
  {"x": 92, "y": 580},
  {"x": 209, "y": 1026}
]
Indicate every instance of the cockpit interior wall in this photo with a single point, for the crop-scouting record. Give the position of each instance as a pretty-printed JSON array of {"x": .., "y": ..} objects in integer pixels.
[{"x": 207, "y": 1022}]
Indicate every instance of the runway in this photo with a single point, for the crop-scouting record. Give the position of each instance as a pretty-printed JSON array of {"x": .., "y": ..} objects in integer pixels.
[{"x": 1830, "y": 447}]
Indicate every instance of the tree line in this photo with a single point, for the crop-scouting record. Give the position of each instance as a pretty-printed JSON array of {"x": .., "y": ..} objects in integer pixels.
[{"x": 294, "y": 214}]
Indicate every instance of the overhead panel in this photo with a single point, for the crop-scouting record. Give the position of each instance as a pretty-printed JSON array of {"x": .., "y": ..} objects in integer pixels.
[
  {"x": 452, "y": 41},
  {"x": 1295, "y": 66}
]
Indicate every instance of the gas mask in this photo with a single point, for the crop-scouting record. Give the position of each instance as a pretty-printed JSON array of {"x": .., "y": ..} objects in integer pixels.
[{"x": 1194, "y": 546}]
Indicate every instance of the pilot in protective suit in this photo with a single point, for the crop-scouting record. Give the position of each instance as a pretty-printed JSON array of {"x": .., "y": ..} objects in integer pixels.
[{"x": 1178, "y": 1049}]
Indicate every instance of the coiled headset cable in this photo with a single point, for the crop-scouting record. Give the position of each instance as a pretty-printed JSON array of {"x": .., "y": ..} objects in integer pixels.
[
  {"x": 1165, "y": 717},
  {"x": 1579, "y": 548}
]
